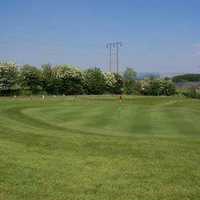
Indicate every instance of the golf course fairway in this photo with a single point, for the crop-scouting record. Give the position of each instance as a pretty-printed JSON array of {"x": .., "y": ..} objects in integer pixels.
[{"x": 98, "y": 148}]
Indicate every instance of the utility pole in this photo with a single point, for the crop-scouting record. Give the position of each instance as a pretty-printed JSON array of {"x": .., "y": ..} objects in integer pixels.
[
  {"x": 109, "y": 46},
  {"x": 118, "y": 44},
  {"x": 114, "y": 56}
]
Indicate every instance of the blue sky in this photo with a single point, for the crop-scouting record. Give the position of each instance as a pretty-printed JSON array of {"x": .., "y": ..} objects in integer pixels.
[{"x": 157, "y": 35}]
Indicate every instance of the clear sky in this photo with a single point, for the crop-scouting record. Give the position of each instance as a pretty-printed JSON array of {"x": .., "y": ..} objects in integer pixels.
[{"x": 157, "y": 35}]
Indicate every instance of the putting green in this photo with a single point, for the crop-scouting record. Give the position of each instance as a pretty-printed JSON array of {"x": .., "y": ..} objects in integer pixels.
[{"x": 98, "y": 148}]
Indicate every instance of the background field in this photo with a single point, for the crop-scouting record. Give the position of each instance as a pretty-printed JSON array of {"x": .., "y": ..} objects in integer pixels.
[{"x": 98, "y": 148}]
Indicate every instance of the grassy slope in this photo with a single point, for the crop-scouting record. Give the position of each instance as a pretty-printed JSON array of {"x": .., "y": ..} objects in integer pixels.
[{"x": 98, "y": 148}]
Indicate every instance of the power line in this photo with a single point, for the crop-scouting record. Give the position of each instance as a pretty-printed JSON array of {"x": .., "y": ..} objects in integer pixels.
[{"x": 113, "y": 48}]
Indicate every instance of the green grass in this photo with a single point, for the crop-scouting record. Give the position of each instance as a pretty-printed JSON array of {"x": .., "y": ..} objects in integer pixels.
[{"x": 96, "y": 148}]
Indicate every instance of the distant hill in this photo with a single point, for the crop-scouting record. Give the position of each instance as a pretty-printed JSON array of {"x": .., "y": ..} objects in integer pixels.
[{"x": 186, "y": 78}]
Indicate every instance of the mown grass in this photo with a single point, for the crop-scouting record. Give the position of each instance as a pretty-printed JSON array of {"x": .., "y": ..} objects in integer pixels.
[{"x": 98, "y": 148}]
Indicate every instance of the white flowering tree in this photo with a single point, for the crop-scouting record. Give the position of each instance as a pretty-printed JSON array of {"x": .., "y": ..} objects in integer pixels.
[
  {"x": 110, "y": 81},
  {"x": 114, "y": 83},
  {"x": 69, "y": 79},
  {"x": 8, "y": 78}
]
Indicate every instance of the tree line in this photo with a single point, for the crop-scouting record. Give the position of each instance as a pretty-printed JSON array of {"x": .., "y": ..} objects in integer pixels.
[{"x": 70, "y": 80}]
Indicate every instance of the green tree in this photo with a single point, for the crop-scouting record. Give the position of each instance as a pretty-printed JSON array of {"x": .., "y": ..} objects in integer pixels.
[
  {"x": 94, "y": 81},
  {"x": 114, "y": 83},
  {"x": 156, "y": 87},
  {"x": 69, "y": 80},
  {"x": 49, "y": 81},
  {"x": 118, "y": 86},
  {"x": 138, "y": 87},
  {"x": 129, "y": 77},
  {"x": 30, "y": 79},
  {"x": 110, "y": 82},
  {"x": 168, "y": 88}
]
